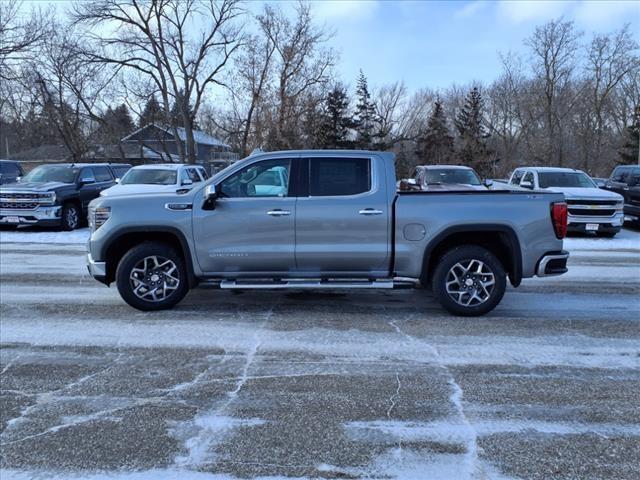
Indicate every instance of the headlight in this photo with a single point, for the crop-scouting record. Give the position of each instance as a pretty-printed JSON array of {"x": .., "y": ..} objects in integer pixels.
[
  {"x": 47, "y": 198},
  {"x": 98, "y": 216}
]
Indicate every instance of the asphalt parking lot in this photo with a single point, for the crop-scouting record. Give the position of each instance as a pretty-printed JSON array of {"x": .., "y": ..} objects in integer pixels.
[{"x": 367, "y": 384}]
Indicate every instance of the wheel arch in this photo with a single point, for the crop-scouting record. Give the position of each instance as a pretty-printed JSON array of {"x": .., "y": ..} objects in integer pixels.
[
  {"x": 501, "y": 240},
  {"x": 127, "y": 238}
]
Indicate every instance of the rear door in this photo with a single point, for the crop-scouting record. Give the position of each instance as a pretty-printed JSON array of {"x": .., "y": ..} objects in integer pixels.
[{"x": 342, "y": 220}]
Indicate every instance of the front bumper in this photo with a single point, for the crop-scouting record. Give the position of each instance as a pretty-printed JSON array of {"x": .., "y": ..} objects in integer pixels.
[
  {"x": 578, "y": 223},
  {"x": 97, "y": 270},
  {"x": 44, "y": 215},
  {"x": 552, "y": 264},
  {"x": 631, "y": 212}
]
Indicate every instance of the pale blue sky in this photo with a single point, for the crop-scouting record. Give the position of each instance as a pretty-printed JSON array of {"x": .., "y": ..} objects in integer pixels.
[
  {"x": 434, "y": 44},
  {"x": 438, "y": 43}
]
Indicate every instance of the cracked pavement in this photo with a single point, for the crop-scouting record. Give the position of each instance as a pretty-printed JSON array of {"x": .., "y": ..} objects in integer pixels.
[{"x": 366, "y": 384}]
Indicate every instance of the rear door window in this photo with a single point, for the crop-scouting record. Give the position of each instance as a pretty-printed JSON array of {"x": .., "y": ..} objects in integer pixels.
[{"x": 330, "y": 177}]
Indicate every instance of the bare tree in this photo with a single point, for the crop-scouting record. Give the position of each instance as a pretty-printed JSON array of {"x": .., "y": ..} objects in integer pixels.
[
  {"x": 301, "y": 64},
  {"x": 610, "y": 58},
  {"x": 167, "y": 41},
  {"x": 19, "y": 36},
  {"x": 553, "y": 47},
  {"x": 69, "y": 90}
]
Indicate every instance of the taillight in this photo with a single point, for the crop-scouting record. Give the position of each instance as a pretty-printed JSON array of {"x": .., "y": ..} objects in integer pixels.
[{"x": 559, "y": 219}]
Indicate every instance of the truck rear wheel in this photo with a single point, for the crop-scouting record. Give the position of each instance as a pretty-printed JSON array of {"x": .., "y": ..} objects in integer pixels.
[
  {"x": 152, "y": 276},
  {"x": 469, "y": 281}
]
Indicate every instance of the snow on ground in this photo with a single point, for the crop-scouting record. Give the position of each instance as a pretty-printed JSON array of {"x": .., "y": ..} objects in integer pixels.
[
  {"x": 625, "y": 240},
  {"x": 79, "y": 236}
]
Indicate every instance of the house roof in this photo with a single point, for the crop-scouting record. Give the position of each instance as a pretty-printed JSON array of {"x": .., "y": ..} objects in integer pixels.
[
  {"x": 43, "y": 153},
  {"x": 198, "y": 135}
]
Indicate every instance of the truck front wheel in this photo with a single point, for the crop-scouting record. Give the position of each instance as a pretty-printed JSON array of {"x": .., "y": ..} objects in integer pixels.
[
  {"x": 152, "y": 276},
  {"x": 469, "y": 281}
]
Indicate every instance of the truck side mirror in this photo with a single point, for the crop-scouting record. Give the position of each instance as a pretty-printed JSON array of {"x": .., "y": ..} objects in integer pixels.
[
  {"x": 211, "y": 194},
  {"x": 527, "y": 184},
  {"x": 488, "y": 182},
  {"x": 187, "y": 181}
]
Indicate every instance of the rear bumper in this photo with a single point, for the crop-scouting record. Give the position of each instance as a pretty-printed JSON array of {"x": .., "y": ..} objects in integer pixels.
[
  {"x": 49, "y": 215},
  {"x": 552, "y": 264},
  {"x": 578, "y": 223},
  {"x": 97, "y": 270}
]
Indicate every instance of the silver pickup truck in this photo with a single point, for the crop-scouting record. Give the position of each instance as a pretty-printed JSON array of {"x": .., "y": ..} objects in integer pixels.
[{"x": 324, "y": 220}]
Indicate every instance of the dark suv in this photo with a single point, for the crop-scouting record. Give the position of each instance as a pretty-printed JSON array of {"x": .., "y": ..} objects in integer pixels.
[
  {"x": 625, "y": 180},
  {"x": 10, "y": 171},
  {"x": 56, "y": 194}
]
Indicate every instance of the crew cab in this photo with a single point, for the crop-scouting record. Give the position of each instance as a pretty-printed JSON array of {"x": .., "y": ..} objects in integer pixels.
[
  {"x": 56, "y": 194},
  {"x": 167, "y": 177},
  {"x": 443, "y": 177},
  {"x": 337, "y": 223},
  {"x": 625, "y": 180},
  {"x": 591, "y": 209}
]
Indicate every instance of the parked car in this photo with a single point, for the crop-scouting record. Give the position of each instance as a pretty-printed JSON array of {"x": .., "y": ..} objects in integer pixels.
[
  {"x": 55, "y": 194},
  {"x": 591, "y": 209},
  {"x": 447, "y": 177},
  {"x": 625, "y": 180},
  {"x": 337, "y": 223},
  {"x": 600, "y": 182},
  {"x": 10, "y": 171},
  {"x": 158, "y": 178}
]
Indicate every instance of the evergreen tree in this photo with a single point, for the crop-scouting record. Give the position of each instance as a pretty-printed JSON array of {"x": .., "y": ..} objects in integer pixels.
[
  {"x": 473, "y": 135},
  {"x": 337, "y": 122},
  {"x": 629, "y": 152},
  {"x": 116, "y": 124},
  {"x": 176, "y": 116},
  {"x": 435, "y": 143},
  {"x": 151, "y": 113},
  {"x": 365, "y": 115}
]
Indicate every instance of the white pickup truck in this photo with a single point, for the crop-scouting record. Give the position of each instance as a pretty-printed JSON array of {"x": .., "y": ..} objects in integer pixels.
[{"x": 591, "y": 209}]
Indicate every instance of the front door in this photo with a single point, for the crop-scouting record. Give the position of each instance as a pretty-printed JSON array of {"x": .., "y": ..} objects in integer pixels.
[
  {"x": 343, "y": 224},
  {"x": 251, "y": 228}
]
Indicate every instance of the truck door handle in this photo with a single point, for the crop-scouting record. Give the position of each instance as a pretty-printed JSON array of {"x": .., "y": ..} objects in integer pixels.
[
  {"x": 278, "y": 213},
  {"x": 370, "y": 211}
]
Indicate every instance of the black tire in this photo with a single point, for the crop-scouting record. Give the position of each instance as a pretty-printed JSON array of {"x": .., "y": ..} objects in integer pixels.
[
  {"x": 462, "y": 255},
  {"x": 137, "y": 255},
  {"x": 70, "y": 216}
]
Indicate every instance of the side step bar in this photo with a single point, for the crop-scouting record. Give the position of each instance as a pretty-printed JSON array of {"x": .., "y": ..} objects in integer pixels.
[{"x": 314, "y": 284}]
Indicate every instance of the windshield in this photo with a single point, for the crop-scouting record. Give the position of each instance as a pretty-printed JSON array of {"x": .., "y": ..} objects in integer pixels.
[
  {"x": 148, "y": 176},
  {"x": 51, "y": 173},
  {"x": 444, "y": 176},
  {"x": 564, "y": 179}
]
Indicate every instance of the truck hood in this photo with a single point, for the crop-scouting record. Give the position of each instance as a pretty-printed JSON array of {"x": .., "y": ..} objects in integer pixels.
[
  {"x": 119, "y": 190},
  {"x": 34, "y": 187},
  {"x": 583, "y": 192}
]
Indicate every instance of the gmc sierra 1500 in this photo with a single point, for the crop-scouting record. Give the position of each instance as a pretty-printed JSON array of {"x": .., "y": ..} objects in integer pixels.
[{"x": 325, "y": 219}]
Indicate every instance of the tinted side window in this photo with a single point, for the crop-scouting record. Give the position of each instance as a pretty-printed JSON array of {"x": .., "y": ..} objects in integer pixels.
[
  {"x": 102, "y": 174},
  {"x": 262, "y": 179},
  {"x": 203, "y": 173},
  {"x": 528, "y": 177},
  {"x": 517, "y": 175},
  {"x": 87, "y": 173},
  {"x": 10, "y": 169},
  {"x": 619, "y": 174},
  {"x": 339, "y": 176}
]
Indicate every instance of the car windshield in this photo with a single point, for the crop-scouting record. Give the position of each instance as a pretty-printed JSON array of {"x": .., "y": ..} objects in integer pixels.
[
  {"x": 564, "y": 179},
  {"x": 148, "y": 176},
  {"x": 51, "y": 173},
  {"x": 454, "y": 175}
]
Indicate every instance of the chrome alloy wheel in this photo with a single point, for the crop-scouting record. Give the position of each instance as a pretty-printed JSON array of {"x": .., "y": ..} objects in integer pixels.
[
  {"x": 72, "y": 218},
  {"x": 470, "y": 282},
  {"x": 154, "y": 278}
]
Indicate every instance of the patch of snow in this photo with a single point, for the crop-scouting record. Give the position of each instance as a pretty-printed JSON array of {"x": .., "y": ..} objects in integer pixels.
[
  {"x": 625, "y": 240},
  {"x": 75, "y": 237}
]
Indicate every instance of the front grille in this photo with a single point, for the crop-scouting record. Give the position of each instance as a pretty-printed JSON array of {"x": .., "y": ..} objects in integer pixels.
[
  {"x": 633, "y": 201},
  {"x": 592, "y": 202},
  {"x": 585, "y": 212},
  {"x": 19, "y": 205}
]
